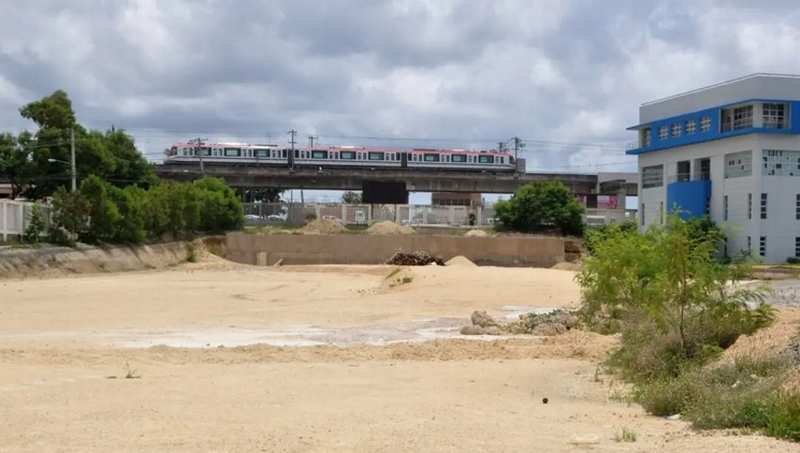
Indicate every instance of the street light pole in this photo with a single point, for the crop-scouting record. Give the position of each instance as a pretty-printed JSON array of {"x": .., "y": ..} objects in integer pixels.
[{"x": 72, "y": 160}]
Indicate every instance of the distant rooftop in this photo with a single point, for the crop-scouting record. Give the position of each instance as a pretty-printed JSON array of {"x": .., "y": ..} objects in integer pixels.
[{"x": 722, "y": 84}]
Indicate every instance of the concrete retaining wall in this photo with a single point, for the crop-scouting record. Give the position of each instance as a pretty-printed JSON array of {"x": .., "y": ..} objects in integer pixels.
[{"x": 366, "y": 249}]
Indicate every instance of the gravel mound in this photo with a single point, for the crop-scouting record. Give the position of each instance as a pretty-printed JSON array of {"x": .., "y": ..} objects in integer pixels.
[
  {"x": 460, "y": 261},
  {"x": 476, "y": 234},
  {"x": 323, "y": 226},
  {"x": 387, "y": 227},
  {"x": 554, "y": 323}
]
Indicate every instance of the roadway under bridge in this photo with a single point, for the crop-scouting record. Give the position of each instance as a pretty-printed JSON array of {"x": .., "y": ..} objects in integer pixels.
[{"x": 252, "y": 177}]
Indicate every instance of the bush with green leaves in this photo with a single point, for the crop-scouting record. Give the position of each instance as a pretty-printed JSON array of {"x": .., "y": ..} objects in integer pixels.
[
  {"x": 673, "y": 302},
  {"x": 541, "y": 206},
  {"x": 101, "y": 212},
  {"x": 37, "y": 225}
]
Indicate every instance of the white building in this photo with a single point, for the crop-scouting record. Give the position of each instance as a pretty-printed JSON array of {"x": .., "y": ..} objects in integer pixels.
[{"x": 731, "y": 151}]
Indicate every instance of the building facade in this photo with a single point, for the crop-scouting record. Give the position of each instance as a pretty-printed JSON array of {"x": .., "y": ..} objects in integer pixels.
[{"x": 730, "y": 151}]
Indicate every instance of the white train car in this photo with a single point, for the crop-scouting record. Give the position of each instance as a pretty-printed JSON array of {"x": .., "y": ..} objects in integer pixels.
[
  {"x": 460, "y": 159},
  {"x": 227, "y": 153},
  {"x": 349, "y": 156}
]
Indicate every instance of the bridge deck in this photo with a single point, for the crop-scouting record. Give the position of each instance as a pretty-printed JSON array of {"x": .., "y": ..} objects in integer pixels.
[{"x": 352, "y": 178}]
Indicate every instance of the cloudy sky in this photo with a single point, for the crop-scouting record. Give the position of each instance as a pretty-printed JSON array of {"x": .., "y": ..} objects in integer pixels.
[{"x": 568, "y": 76}]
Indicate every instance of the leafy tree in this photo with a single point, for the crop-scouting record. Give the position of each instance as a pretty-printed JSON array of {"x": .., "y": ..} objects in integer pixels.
[
  {"x": 350, "y": 197},
  {"x": 39, "y": 163},
  {"x": 70, "y": 212},
  {"x": 130, "y": 202},
  {"x": 104, "y": 216},
  {"x": 36, "y": 225},
  {"x": 541, "y": 206},
  {"x": 15, "y": 161}
]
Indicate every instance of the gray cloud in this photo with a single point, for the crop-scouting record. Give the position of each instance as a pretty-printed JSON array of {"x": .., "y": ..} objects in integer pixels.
[{"x": 566, "y": 71}]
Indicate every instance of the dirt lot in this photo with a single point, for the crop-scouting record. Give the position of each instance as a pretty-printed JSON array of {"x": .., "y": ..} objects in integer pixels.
[{"x": 348, "y": 360}]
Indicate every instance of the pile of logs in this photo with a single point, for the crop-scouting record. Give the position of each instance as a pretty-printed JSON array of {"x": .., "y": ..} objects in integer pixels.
[{"x": 418, "y": 258}]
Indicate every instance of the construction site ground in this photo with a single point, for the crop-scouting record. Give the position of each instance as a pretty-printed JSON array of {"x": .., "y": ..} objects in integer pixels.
[{"x": 217, "y": 356}]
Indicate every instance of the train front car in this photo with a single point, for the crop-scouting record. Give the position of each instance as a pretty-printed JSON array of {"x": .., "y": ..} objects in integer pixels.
[
  {"x": 226, "y": 153},
  {"x": 460, "y": 159}
]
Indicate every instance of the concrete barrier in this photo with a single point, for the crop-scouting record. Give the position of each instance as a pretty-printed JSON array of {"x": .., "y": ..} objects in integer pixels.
[{"x": 540, "y": 251}]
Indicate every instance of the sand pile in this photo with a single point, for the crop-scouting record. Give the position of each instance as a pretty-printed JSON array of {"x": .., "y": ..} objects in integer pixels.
[
  {"x": 388, "y": 227},
  {"x": 780, "y": 337},
  {"x": 323, "y": 226},
  {"x": 460, "y": 261},
  {"x": 476, "y": 234}
]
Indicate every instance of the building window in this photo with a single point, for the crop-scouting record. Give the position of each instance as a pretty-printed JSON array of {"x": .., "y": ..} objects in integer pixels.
[
  {"x": 725, "y": 208},
  {"x": 647, "y": 136},
  {"x": 778, "y": 162},
  {"x": 737, "y": 118},
  {"x": 691, "y": 127},
  {"x": 652, "y": 176},
  {"x": 763, "y": 206},
  {"x": 661, "y": 213},
  {"x": 797, "y": 206},
  {"x": 774, "y": 115},
  {"x": 762, "y": 246},
  {"x": 705, "y": 124},
  {"x": 677, "y": 129},
  {"x": 684, "y": 171},
  {"x": 739, "y": 164},
  {"x": 797, "y": 246},
  {"x": 749, "y": 245},
  {"x": 749, "y": 206},
  {"x": 663, "y": 132}
]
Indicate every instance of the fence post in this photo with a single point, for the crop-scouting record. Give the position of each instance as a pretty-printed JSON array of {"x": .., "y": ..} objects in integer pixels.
[
  {"x": 344, "y": 213},
  {"x": 317, "y": 211},
  {"x": 452, "y": 215},
  {"x": 21, "y": 217},
  {"x": 4, "y": 216},
  {"x": 478, "y": 215}
]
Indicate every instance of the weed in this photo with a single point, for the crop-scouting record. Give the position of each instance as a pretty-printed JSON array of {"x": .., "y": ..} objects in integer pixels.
[
  {"x": 130, "y": 373},
  {"x": 626, "y": 435},
  {"x": 191, "y": 253}
]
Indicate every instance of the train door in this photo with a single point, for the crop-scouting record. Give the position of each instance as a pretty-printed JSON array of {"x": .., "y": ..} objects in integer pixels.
[{"x": 404, "y": 159}]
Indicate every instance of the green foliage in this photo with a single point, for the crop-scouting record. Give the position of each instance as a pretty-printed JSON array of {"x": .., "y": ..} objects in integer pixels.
[
  {"x": 350, "y": 197},
  {"x": 673, "y": 302},
  {"x": 37, "y": 164},
  {"x": 70, "y": 213},
  {"x": 101, "y": 212},
  {"x": 600, "y": 233},
  {"x": 36, "y": 225},
  {"x": 541, "y": 206}
]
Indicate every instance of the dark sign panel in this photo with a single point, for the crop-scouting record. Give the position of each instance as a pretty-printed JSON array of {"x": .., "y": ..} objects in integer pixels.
[{"x": 374, "y": 192}]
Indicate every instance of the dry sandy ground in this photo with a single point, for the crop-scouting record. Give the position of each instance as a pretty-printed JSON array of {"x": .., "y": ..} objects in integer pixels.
[{"x": 65, "y": 351}]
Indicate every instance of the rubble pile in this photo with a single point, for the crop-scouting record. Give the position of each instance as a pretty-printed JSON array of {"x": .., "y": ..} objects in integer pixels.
[
  {"x": 418, "y": 258},
  {"x": 546, "y": 324}
]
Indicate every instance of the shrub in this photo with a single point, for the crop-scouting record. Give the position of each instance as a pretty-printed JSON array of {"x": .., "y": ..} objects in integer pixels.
[
  {"x": 70, "y": 211},
  {"x": 36, "y": 226},
  {"x": 676, "y": 304},
  {"x": 541, "y": 206},
  {"x": 104, "y": 216}
]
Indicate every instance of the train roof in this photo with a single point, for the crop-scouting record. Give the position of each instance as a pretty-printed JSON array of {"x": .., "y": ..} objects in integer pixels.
[{"x": 386, "y": 149}]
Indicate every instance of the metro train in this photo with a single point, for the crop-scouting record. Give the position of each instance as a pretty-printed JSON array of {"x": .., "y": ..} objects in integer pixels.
[{"x": 341, "y": 156}]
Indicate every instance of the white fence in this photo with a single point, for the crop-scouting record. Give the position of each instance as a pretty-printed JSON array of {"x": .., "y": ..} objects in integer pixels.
[
  {"x": 406, "y": 214},
  {"x": 15, "y": 216}
]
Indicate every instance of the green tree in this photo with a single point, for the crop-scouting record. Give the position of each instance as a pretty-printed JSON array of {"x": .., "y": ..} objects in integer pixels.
[
  {"x": 104, "y": 216},
  {"x": 15, "y": 161},
  {"x": 36, "y": 225},
  {"x": 70, "y": 213},
  {"x": 351, "y": 197},
  {"x": 541, "y": 206}
]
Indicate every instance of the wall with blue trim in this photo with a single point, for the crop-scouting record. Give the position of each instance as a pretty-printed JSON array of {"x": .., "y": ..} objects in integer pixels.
[
  {"x": 714, "y": 133},
  {"x": 688, "y": 198}
]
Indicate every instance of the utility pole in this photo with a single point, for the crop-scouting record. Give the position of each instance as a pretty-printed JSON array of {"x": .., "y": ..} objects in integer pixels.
[
  {"x": 72, "y": 168},
  {"x": 518, "y": 145},
  {"x": 500, "y": 146},
  {"x": 311, "y": 139},
  {"x": 198, "y": 152}
]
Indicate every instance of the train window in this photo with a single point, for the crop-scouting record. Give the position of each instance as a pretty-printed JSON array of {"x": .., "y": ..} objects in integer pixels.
[
  {"x": 376, "y": 156},
  {"x": 458, "y": 158},
  {"x": 205, "y": 152},
  {"x": 233, "y": 152},
  {"x": 486, "y": 159},
  {"x": 319, "y": 154},
  {"x": 261, "y": 153},
  {"x": 347, "y": 155},
  {"x": 431, "y": 158}
]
